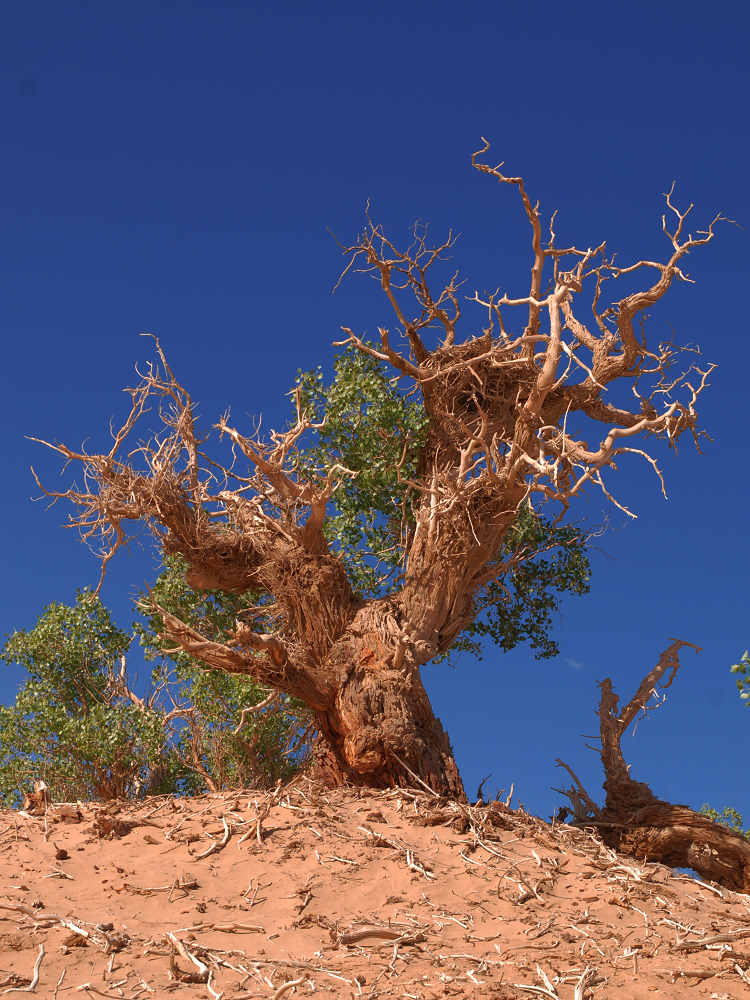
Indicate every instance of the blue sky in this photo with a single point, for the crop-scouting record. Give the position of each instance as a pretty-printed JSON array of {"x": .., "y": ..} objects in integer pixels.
[{"x": 176, "y": 167}]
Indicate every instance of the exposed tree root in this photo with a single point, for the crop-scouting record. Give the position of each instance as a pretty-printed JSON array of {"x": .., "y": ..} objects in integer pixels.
[
  {"x": 633, "y": 821},
  {"x": 681, "y": 838}
]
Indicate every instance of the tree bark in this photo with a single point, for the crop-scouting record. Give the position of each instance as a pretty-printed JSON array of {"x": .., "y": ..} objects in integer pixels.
[
  {"x": 679, "y": 837},
  {"x": 380, "y": 729},
  {"x": 375, "y": 719}
]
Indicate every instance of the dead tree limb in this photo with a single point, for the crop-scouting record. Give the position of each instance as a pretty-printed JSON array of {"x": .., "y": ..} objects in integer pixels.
[{"x": 633, "y": 820}]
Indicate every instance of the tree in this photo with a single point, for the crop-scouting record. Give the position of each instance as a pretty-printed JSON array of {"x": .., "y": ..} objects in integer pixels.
[
  {"x": 73, "y": 725},
  {"x": 212, "y": 730},
  {"x": 78, "y": 725},
  {"x": 506, "y": 413}
]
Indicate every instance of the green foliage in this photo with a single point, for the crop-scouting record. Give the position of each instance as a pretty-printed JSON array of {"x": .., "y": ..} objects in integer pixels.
[
  {"x": 743, "y": 682},
  {"x": 77, "y": 726},
  {"x": 519, "y": 606},
  {"x": 69, "y": 726},
  {"x": 730, "y": 817},
  {"x": 369, "y": 426},
  {"x": 372, "y": 426},
  {"x": 215, "y": 744}
]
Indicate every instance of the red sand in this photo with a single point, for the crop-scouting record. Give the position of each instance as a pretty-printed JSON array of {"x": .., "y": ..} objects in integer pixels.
[{"x": 349, "y": 893}]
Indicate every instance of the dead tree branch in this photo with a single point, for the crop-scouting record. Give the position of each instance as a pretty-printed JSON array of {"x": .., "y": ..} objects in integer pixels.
[{"x": 634, "y": 820}]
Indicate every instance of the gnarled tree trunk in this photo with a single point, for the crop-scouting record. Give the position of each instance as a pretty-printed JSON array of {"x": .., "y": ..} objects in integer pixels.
[
  {"x": 376, "y": 723},
  {"x": 380, "y": 729}
]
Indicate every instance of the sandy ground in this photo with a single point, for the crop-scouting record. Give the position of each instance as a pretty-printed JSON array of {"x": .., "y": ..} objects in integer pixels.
[{"x": 305, "y": 892}]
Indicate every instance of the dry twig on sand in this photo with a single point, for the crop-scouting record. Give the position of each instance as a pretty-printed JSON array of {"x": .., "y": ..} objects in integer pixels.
[{"x": 31, "y": 988}]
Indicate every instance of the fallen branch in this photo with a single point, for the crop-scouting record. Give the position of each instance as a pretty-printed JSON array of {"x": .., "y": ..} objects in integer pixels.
[
  {"x": 385, "y": 933},
  {"x": 217, "y": 845},
  {"x": 148, "y": 890},
  {"x": 634, "y": 821},
  {"x": 187, "y": 977},
  {"x": 287, "y": 986},
  {"x": 224, "y": 928},
  {"x": 738, "y": 935},
  {"x": 34, "y": 978}
]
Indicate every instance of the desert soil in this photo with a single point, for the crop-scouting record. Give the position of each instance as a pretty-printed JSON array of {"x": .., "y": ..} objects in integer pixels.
[{"x": 308, "y": 892}]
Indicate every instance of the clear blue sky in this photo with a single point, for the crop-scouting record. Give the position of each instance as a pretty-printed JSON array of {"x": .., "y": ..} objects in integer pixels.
[{"x": 174, "y": 168}]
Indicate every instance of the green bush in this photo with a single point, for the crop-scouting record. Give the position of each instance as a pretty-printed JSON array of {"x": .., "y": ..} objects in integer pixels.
[
  {"x": 71, "y": 726},
  {"x": 77, "y": 724},
  {"x": 730, "y": 817}
]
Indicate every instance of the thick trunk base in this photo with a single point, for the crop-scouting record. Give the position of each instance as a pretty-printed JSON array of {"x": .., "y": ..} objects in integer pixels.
[
  {"x": 382, "y": 731},
  {"x": 439, "y": 772}
]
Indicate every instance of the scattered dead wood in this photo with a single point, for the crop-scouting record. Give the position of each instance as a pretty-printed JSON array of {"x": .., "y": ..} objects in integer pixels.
[
  {"x": 201, "y": 976},
  {"x": 394, "y": 935},
  {"x": 31, "y": 987},
  {"x": 509, "y": 892},
  {"x": 107, "y": 825},
  {"x": 262, "y": 811},
  {"x": 217, "y": 845},
  {"x": 179, "y": 884},
  {"x": 285, "y": 987}
]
